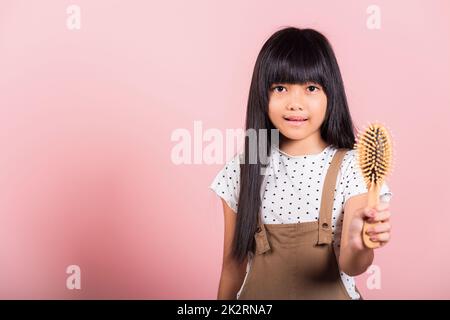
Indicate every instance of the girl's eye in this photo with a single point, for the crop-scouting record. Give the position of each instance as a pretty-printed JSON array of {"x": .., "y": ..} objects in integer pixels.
[
  {"x": 278, "y": 88},
  {"x": 312, "y": 88}
]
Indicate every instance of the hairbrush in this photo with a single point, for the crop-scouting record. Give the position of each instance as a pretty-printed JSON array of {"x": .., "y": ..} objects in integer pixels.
[{"x": 374, "y": 152}]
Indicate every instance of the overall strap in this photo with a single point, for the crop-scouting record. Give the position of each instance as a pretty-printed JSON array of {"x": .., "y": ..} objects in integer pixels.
[{"x": 326, "y": 206}]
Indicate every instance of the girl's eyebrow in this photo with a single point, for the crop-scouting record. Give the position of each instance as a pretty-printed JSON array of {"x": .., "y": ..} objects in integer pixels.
[{"x": 312, "y": 82}]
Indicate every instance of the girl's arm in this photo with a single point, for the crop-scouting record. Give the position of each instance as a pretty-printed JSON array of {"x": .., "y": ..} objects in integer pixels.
[
  {"x": 355, "y": 257},
  {"x": 233, "y": 273}
]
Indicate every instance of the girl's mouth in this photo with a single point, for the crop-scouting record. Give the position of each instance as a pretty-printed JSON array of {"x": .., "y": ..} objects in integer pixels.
[{"x": 295, "y": 120}]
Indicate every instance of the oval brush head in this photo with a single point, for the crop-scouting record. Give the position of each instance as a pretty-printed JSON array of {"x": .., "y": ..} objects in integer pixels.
[{"x": 374, "y": 149}]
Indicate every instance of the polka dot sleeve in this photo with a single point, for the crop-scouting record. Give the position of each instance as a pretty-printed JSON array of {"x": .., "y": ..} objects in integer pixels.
[
  {"x": 353, "y": 179},
  {"x": 226, "y": 183}
]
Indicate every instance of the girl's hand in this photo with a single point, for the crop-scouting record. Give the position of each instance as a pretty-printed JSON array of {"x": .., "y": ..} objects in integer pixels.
[{"x": 379, "y": 232}]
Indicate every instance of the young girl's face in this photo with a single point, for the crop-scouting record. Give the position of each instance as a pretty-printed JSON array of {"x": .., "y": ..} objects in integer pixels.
[{"x": 297, "y": 110}]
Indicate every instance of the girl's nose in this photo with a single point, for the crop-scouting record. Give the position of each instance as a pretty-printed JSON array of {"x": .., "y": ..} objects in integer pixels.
[
  {"x": 296, "y": 99},
  {"x": 295, "y": 107}
]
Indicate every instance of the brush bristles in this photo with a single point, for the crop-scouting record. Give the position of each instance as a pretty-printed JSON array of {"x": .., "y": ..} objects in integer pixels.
[{"x": 374, "y": 149}]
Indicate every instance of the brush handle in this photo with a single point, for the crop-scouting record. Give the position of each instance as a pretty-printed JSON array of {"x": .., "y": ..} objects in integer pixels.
[{"x": 374, "y": 193}]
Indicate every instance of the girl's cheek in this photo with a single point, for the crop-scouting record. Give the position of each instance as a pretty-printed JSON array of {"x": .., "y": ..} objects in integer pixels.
[{"x": 275, "y": 110}]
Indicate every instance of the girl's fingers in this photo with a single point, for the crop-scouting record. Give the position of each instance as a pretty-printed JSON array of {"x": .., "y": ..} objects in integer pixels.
[
  {"x": 381, "y": 237},
  {"x": 382, "y": 206},
  {"x": 381, "y": 216},
  {"x": 379, "y": 232},
  {"x": 368, "y": 213},
  {"x": 374, "y": 216},
  {"x": 379, "y": 228}
]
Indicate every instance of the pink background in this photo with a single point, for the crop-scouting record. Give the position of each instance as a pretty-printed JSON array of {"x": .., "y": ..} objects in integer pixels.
[{"x": 86, "y": 118}]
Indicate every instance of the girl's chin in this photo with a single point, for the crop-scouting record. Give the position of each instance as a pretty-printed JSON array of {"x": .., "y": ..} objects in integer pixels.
[
  {"x": 289, "y": 135},
  {"x": 289, "y": 131}
]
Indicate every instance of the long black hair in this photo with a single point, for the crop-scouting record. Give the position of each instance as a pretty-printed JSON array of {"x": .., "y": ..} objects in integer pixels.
[{"x": 290, "y": 55}]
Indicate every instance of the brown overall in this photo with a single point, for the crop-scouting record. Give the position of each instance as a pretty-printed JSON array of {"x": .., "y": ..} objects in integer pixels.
[{"x": 297, "y": 260}]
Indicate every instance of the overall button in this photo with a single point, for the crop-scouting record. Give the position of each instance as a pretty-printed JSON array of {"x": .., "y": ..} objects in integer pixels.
[
  {"x": 325, "y": 225},
  {"x": 258, "y": 229}
]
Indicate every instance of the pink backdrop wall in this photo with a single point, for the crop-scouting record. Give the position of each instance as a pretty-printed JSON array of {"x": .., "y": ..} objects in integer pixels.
[{"x": 86, "y": 118}]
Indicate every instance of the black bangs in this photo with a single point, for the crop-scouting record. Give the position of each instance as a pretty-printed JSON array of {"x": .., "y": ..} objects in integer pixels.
[
  {"x": 296, "y": 58},
  {"x": 295, "y": 67}
]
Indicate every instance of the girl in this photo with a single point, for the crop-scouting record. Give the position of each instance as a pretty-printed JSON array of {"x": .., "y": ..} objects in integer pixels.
[{"x": 295, "y": 231}]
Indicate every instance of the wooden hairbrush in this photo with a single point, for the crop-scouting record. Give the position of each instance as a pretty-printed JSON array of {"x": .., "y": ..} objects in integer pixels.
[{"x": 374, "y": 150}]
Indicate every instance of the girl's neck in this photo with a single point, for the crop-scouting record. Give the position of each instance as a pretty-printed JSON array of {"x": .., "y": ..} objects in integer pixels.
[{"x": 303, "y": 147}]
